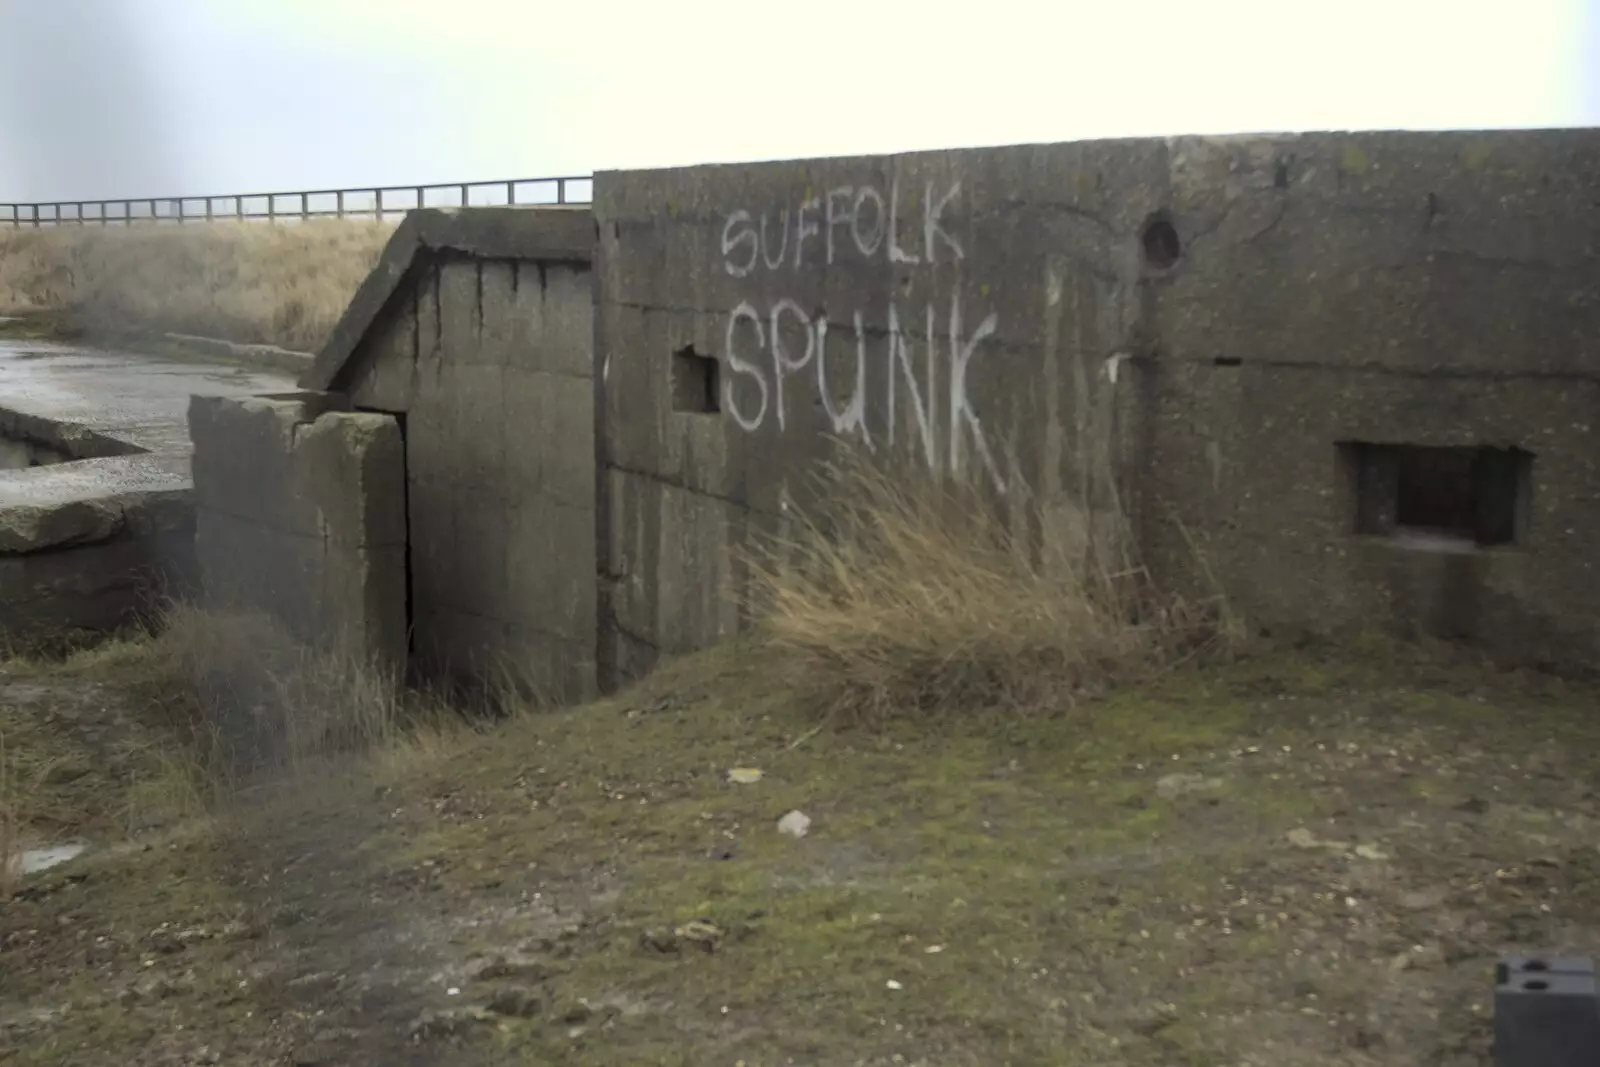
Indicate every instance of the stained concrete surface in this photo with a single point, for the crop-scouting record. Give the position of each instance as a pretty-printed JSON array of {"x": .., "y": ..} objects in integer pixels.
[
  {"x": 137, "y": 399},
  {"x": 1184, "y": 334},
  {"x": 83, "y": 544},
  {"x": 300, "y": 511},
  {"x": 477, "y": 331}
]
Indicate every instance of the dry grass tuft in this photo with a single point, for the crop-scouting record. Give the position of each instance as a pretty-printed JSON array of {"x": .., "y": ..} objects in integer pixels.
[
  {"x": 906, "y": 595},
  {"x": 253, "y": 701},
  {"x": 285, "y": 285},
  {"x": 219, "y": 704}
]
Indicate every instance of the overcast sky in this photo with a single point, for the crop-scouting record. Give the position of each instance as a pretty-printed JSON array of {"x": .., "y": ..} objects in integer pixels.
[{"x": 141, "y": 98}]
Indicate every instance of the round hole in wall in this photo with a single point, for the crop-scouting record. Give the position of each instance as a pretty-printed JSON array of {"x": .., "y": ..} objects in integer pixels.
[{"x": 1161, "y": 245}]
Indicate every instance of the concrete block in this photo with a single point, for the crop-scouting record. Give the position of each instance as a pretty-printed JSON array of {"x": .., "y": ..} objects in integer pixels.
[
  {"x": 243, "y": 459},
  {"x": 351, "y": 467},
  {"x": 549, "y": 427},
  {"x": 362, "y": 603},
  {"x": 479, "y": 550},
  {"x": 247, "y": 566},
  {"x": 498, "y": 306},
  {"x": 329, "y": 563},
  {"x": 676, "y": 579},
  {"x": 386, "y": 360},
  {"x": 456, "y": 429},
  {"x": 550, "y": 576},
  {"x": 435, "y": 567},
  {"x": 158, "y": 512},
  {"x": 460, "y": 311},
  {"x": 34, "y": 528},
  {"x": 96, "y": 587},
  {"x": 553, "y": 324},
  {"x": 637, "y": 387}
]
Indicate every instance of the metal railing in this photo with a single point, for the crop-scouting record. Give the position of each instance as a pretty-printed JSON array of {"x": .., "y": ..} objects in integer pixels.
[{"x": 376, "y": 202}]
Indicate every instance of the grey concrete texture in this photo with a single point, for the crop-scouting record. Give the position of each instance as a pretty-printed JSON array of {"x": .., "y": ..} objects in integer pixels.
[
  {"x": 485, "y": 349},
  {"x": 531, "y": 235},
  {"x": 137, "y": 400},
  {"x": 96, "y": 588},
  {"x": 300, "y": 512},
  {"x": 1022, "y": 316},
  {"x": 101, "y": 540}
]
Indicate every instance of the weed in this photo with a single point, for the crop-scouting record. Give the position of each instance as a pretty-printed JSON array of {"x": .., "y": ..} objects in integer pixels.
[
  {"x": 904, "y": 593},
  {"x": 247, "y": 698}
]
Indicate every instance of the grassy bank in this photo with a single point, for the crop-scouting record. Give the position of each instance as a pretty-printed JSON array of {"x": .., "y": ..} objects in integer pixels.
[
  {"x": 1286, "y": 858},
  {"x": 284, "y": 285},
  {"x": 1102, "y": 834}
]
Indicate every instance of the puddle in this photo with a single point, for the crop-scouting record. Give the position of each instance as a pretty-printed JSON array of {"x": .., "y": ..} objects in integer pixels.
[{"x": 34, "y": 860}]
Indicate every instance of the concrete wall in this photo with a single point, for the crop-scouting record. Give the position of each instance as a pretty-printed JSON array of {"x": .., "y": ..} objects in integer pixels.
[
  {"x": 489, "y": 361},
  {"x": 300, "y": 512},
  {"x": 79, "y": 562},
  {"x": 1200, "y": 322}
]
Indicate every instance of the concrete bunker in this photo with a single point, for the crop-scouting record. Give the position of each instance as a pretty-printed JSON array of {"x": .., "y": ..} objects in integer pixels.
[
  {"x": 1362, "y": 385},
  {"x": 1357, "y": 370},
  {"x": 437, "y": 473}
]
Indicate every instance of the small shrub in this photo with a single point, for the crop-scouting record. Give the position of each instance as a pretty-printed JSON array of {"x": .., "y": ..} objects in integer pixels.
[{"x": 907, "y": 595}]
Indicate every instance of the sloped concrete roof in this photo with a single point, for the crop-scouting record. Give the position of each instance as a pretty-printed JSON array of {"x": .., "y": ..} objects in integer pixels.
[{"x": 554, "y": 234}]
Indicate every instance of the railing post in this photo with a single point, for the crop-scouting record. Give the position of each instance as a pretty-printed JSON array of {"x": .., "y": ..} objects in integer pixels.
[{"x": 180, "y": 212}]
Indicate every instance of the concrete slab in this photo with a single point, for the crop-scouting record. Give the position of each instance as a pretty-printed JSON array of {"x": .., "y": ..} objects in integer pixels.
[
  {"x": 85, "y": 543},
  {"x": 142, "y": 400}
]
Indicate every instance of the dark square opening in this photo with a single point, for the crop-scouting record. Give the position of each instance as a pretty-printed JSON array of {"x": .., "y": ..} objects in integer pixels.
[
  {"x": 695, "y": 382},
  {"x": 1475, "y": 494}
]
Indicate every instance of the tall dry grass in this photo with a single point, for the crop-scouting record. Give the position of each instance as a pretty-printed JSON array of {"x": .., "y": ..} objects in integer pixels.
[
  {"x": 250, "y": 701},
  {"x": 224, "y": 704},
  {"x": 903, "y": 594},
  {"x": 249, "y": 283}
]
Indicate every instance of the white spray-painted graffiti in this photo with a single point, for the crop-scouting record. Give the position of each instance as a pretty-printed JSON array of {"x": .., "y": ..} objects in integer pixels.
[{"x": 768, "y": 349}]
